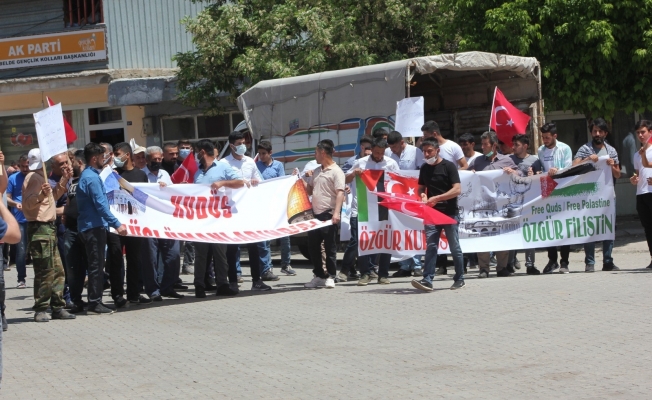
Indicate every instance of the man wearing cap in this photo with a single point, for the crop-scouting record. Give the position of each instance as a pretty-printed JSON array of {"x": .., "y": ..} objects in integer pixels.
[
  {"x": 40, "y": 211},
  {"x": 140, "y": 161}
]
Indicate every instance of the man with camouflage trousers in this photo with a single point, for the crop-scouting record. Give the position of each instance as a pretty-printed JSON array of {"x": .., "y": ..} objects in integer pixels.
[{"x": 40, "y": 211}]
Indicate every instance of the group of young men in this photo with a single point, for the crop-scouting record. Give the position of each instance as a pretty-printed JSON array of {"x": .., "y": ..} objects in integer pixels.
[{"x": 64, "y": 218}]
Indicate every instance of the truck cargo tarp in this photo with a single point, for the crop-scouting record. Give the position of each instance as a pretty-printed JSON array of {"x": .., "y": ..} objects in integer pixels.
[{"x": 279, "y": 106}]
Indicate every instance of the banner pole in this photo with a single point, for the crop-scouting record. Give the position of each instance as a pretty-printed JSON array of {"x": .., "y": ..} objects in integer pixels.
[{"x": 493, "y": 102}]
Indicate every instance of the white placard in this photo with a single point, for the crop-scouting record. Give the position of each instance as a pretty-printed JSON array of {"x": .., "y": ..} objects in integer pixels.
[
  {"x": 50, "y": 132},
  {"x": 409, "y": 116}
]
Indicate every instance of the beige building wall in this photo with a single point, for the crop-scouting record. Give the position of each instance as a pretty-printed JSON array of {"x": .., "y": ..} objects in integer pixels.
[{"x": 37, "y": 100}]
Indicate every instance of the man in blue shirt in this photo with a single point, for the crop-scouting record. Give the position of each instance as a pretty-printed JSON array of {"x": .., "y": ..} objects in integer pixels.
[
  {"x": 15, "y": 201},
  {"x": 94, "y": 219},
  {"x": 269, "y": 169}
]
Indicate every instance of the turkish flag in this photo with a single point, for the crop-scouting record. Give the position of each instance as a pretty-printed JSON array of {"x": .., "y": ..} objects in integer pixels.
[
  {"x": 407, "y": 185},
  {"x": 408, "y": 206},
  {"x": 186, "y": 171},
  {"x": 71, "y": 136},
  {"x": 506, "y": 119}
]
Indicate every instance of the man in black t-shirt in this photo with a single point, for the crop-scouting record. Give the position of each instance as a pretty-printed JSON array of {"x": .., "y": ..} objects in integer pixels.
[
  {"x": 74, "y": 250},
  {"x": 137, "y": 249},
  {"x": 439, "y": 186}
]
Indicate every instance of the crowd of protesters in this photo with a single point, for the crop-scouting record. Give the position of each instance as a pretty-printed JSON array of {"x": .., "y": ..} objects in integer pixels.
[{"x": 62, "y": 222}]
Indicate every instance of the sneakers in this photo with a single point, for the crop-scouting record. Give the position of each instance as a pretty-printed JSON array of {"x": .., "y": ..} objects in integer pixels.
[
  {"x": 417, "y": 272},
  {"x": 364, "y": 280},
  {"x": 532, "y": 271},
  {"x": 62, "y": 314},
  {"x": 315, "y": 283},
  {"x": 21, "y": 285},
  {"x": 492, "y": 261},
  {"x": 99, "y": 309},
  {"x": 269, "y": 276},
  {"x": 589, "y": 268},
  {"x": 383, "y": 281},
  {"x": 441, "y": 271},
  {"x": 401, "y": 273},
  {"x": 260, "y": 285},
  {"x": 483, "y": 274},
  {"x": 563, "y": 269},
  {"x": 240, "y": 279},
  {"x": 341, "y": 277},
  {"x": 373, "y": 274},
  {"x": 551, "y": 267},
  {"x": 287, "y": 270},
  {"x": 140, "y": 300},
  {"x": 354, "y": 275},
  {"x": 517, "y": 263},
  {"x": 503, "y": 273},
  {"x": 458, "y": 285},
  {"x": 187, "y": 270},
  {"x": 77, "y": 308},
  {"x": 41, "y": 316},
  {"x": 118, "y": 301},
  {"x": 330, "y": 283},
  {"x": 610, "y": 267},
  {"x": 422, "y": 285}
]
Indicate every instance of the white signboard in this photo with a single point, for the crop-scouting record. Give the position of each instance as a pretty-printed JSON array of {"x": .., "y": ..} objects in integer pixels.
[
  {"x": 409, "y": 116},
  {"x": 50, "y": 132}
]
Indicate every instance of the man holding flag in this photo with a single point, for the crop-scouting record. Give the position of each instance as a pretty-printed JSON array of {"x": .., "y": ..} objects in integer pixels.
[{"x": 439, "y": 186}]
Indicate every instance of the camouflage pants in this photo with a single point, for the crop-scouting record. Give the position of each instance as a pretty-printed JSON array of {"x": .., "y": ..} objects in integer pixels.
[{"x": 49, "y": 276}]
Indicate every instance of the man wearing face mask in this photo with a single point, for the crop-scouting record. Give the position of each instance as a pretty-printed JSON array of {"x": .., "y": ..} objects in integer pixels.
[
  {"x": 107, "y": 158},
  {"x": 168, "y": 270},
  {"x": 137, "y": 249},
  {"x": 491, "y": 160},
  {"x": 185, "y": 148},
  {"x": 94, "y": 219},
  {"x": 591, "y": 152},
  {"x": 114, "y": 258},
  {"x": 439, "y": 186},
  {"x": 376, "y": 161},
  {"x": 188, "y": 248}
]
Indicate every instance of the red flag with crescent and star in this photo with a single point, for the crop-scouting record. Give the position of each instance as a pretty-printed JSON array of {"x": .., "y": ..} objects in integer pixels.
[
  {"x": 407, "y": 185},
  {"x": 407, "y": 205},
  {"x": 186, "y": 171},
  {"x": 507, "y": 120}
]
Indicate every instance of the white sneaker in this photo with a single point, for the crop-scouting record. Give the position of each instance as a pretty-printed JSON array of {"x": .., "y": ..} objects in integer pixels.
[
  {"x": 316, "y": 282},
  {"x": 330, "y": 283}
]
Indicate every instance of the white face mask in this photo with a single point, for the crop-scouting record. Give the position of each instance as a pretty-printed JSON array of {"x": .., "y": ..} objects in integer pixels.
[
  {"x": 432, "y": 160},
  {"x": 240, "y": 150}
]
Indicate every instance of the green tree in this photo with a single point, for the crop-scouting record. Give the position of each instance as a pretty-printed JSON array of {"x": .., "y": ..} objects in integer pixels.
[
  {"x": 241, "y": 42},
  {"x": 596, "y": 55}
]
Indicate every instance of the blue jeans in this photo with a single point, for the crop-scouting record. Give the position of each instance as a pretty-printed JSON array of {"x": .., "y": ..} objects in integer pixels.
[
  {"x": 589, "y": 252},
  {"x": 265, "y": 252},
  {"x": 411, "y": 263},
  {"x": 365, "y": 264},
  {"x": 433, "y": 232},
  {"x": 166, "y": 253},
  {"x": 21, "y": 252}
]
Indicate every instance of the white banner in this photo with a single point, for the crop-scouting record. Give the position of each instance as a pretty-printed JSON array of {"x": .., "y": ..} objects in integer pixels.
[
  {"x": 499, "y": 211},
  {"x": 273, "y": 209}
]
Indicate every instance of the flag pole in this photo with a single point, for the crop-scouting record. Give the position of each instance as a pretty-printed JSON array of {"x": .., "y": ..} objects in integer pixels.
[{"x": 493, "y": 102}]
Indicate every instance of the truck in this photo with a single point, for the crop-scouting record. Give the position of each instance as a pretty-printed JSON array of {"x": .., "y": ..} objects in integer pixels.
[{"x": 295, "y": 113}]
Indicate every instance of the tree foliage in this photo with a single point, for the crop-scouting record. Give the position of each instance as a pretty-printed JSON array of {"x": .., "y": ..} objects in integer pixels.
[
  {"x": 596, "y": 55},
  {"x": 241, "y": 42}
]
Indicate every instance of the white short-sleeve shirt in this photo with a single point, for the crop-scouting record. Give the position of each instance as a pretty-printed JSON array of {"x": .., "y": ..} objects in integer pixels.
[
  {"x": 451, "y": 151},
  {"x": 643, "y": 173}
]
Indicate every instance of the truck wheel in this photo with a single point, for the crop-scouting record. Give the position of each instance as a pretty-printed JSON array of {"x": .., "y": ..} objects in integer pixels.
[{"x": 303, "y": 248}]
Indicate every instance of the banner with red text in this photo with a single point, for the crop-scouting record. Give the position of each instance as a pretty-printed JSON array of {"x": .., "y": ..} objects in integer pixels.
[
  {"x": 497, "y": 211},
  {"x": 274, "y": 208}
]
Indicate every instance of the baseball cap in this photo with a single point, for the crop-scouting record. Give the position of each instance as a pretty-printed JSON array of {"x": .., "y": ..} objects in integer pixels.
[
  {"x": 136, "y": 148},
  {"x": 34, "y": 159}
]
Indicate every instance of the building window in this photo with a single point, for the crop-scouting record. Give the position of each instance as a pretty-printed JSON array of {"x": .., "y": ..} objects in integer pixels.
[
  {"x": 78, "y": 13},
  {"x": 17, "y": 136},
  {"x": 200, "y": 126},
  {"x": 106, "y": 125},
  {"x": 178, "y": 128},
  {"x": 104, "y": 115}
]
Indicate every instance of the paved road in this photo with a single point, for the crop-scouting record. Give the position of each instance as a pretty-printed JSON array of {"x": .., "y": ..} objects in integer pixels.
[{"x": 564, "y": 336}]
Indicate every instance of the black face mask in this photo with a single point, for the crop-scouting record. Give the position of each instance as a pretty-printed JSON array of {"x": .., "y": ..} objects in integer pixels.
[{"x": 154, "y": 166}]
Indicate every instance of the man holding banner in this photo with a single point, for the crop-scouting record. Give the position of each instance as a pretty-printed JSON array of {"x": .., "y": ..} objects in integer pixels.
[
  {"x": 375, "y": 162},
  {"x": 439, "y": 186}
]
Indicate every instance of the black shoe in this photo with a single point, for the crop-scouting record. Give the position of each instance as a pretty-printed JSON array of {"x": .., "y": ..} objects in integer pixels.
[
  {"x": 225, "y": 290},
  {"x": 503, "y": 272},
  {"x": 269, "y": 276},
  {"x": 458, "y": 285},
  {"x": 551, "y": 267},
  {"x": 174, "y": 295},
  {"x": 77, "y": 308},
  {"x": 260, "y": 285},
  {"x": 99, "y": 309},
  {"x": 355, "y": 275},
  {"x": 179, "y": 286},
  {"x": 120, "y": 302},
  {"x": 210, "y": 288},
  {"x": 140, "y": 300},
  {"x": 62, "y": 314},
  {"x": 422, "y": 285},
  {"x": 156, "y": 298},
  {"x": 610, "y": 267},
  {"x": 401, "y": 273},
  {"x": 200, "y": 292},
  {"x": 532, "y": 271},
  {"x": 510, "y": 269},
  {"x": 649, "y": 266}
]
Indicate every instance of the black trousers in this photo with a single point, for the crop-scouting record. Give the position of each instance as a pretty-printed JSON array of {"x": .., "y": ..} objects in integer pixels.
[
  {"x": 644, "y": 209},
  {"x": 139, "y": 259},
  {"x": 232, "y": 258},
  {"x": 94, "y": 243},
  {"x": 327, "y": 235},
  {"x": 114, "y": 264},
  {"x": 204, "y": 253},
  {"x": 564, "y": 252}
]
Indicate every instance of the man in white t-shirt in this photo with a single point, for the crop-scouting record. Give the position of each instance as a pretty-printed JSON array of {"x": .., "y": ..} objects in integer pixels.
[
  {"x": 642, "y": 179},
  {"x": 376, "y": 161},
  {"x": 448, "y": 150},
  {"x": 467, "y": 143}
]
